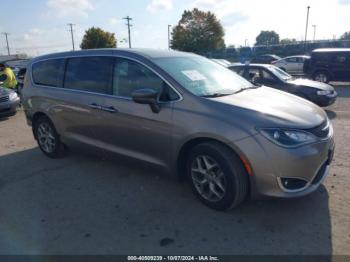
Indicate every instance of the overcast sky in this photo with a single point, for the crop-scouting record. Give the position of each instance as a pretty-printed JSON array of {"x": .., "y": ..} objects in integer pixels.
[{"x": 40, "y": 26}]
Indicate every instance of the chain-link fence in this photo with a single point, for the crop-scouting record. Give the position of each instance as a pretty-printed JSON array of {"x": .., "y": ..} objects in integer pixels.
[{"x": 242, "y": 54}]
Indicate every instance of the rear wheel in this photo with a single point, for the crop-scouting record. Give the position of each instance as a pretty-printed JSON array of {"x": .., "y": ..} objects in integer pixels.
[
  {"x": 48, "y": 140},
  {"x": 217, "y": 176},
  {"x": 321, "y": 76}
]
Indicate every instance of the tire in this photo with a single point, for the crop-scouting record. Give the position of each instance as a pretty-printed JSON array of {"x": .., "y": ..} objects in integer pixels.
[
  {"x": 321, "y": 76},
  {"x": 48, "y": 139},
  {"x": 233, "y": 177}
]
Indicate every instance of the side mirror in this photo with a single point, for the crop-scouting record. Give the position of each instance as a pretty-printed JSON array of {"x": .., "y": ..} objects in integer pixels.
[{"x": 147, "y": 96}]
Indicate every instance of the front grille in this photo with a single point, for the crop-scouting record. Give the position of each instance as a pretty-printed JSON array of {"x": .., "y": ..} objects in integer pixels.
[
  {"x": 4, "y": 99},
  {"x": 321, "y": 131}
]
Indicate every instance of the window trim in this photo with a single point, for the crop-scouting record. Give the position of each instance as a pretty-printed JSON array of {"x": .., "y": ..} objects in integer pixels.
[{"x": 100, "y": 94}]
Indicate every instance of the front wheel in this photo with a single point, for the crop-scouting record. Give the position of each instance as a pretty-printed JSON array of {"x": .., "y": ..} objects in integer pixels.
[
  {"x": 217, "y": 176},
  {"x": 48, "y": 140}
]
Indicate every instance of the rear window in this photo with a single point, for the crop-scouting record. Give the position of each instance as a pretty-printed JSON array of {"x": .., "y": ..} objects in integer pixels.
[
  {"x": 49, "y": 72},
  {"x": 92, "y": 74}
]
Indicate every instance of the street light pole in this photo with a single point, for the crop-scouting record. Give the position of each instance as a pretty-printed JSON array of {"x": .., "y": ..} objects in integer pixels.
[
  {"x": 307, "y": 24},
  {"x": 169, "y": 27},
  {"x": 314, "y": 26},
  {"x": 7, "y": 42}
]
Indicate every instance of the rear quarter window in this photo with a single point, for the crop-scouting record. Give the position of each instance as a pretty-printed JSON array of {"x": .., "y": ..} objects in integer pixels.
[{"x": 49, "y": 72}]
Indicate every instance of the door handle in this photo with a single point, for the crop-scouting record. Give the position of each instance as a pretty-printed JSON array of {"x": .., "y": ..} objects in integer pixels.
[
  {"x": 95, "y": 106},
  {"x": 110, "y": 109}
]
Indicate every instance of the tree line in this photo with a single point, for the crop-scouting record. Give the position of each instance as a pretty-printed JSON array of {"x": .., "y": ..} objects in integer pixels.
[{"x": 197, "y": 31}]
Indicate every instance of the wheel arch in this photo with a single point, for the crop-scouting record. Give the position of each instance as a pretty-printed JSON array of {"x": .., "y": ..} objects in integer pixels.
[
  {"x": 36, "y": 117},
  {"x": 191, "y": 143}
]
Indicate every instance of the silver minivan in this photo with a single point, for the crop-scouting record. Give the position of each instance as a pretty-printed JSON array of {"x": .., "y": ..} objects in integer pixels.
[{"x": 185, "y": 113}]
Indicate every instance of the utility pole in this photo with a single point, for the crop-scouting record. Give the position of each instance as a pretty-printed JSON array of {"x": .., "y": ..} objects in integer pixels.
[
  {"x": 314, "y": 26},
  {"x": 7, "y": 42},
  {"x": 245, "y": 42},
  {"x": 128, "y": 19},
  {"x": 169, "y": 27},
  {"x": 307, "y": 24},
  {"x": 72, "y": 34}
]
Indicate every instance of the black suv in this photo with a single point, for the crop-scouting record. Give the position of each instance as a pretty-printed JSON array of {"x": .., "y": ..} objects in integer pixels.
[{"x": 329, "y": 64}]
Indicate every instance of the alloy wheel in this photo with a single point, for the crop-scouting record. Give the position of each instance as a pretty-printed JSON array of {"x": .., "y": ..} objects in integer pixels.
[
  {"x": 46, "y": 137},
  {"x": 321, "y": 77},
  {"x": 208, "y": 178}
]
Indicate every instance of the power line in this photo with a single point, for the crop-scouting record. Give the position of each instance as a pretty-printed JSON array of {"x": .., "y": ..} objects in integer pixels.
[
  {"x": 72, "y": 34},
  {"x": 128, "y": 19},
  {"x": 7, "y": 42}
]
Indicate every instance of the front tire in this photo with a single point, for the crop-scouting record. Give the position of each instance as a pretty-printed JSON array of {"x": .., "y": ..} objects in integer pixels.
[
  {"x": 217, "y": 176},
  {"x": 48, "y": 139}
]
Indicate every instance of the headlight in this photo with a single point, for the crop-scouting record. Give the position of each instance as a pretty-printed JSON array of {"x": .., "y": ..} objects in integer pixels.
[
  {"x": 288, "y": 138},
  {"x": 13, "y": 96},
  {"x": 324, "y": 92}
]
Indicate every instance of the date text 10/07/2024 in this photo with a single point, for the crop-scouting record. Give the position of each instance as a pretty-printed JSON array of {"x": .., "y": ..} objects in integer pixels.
[{"x": 173, "y": 258}]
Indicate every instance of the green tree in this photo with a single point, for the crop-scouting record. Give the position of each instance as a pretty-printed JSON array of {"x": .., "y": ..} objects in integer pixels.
[
  {"x": 198, "y": 32},
  {"x": 267, "y": 38},
  {"x": 287, "y": 41},
  {"x": 345, "y": 36},
  {"x": 95, "y": 37}
]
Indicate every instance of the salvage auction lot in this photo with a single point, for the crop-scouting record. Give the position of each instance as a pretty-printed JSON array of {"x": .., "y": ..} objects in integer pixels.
[{"x": 90, "y": 204}]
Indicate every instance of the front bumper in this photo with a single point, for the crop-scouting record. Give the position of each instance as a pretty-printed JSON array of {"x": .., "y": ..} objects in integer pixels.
[
  {"x": 326, "y": 100},
  {"x": 270, "y": 163},
  {"x": 9, "y": 108}
]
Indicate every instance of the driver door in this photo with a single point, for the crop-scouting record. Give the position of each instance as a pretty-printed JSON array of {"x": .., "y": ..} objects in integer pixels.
[{"x": 132, "y": 129}]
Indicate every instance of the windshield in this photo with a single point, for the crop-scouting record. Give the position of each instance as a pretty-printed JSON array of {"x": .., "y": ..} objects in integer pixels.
[
  {"x": 203, "y": 77},
  {"x": 284, "y": 76}
]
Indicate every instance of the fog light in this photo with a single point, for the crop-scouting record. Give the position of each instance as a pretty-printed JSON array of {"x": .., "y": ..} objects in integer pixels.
[{"x": 293, "y": 183}]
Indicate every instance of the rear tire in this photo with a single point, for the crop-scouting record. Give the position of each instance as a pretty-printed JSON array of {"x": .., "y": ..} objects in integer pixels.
[
  {"x": 48, "y": 139},
  {"x": 321, "y": 76},
  {"x": 217, "y": 176}
]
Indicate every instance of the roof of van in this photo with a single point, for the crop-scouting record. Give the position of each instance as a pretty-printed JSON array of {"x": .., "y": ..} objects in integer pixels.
[
  {"x": 327, "y": 50},
  {"x": 148, "y": 53}
]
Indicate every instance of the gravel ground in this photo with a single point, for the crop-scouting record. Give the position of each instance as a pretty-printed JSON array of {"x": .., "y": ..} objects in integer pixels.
[{"x": 85, "y": 204}]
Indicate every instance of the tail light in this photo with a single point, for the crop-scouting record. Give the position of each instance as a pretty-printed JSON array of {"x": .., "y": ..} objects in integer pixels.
[{"x": 273, "y": 62}]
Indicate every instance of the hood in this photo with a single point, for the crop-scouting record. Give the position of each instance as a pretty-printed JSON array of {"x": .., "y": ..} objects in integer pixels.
[
  {"x": 311, "y": 83},
  {"x": 269, "y": 107}
]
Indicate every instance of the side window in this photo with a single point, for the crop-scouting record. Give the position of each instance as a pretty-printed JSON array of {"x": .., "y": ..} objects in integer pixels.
[
  {"x": 300, "y": 60},
  {"x": 49, "y": 72},
  {"x": 130, "y": 76},
  {"x": 268, "y": 76},
  {"x": 254, "y": 74},
  {"x": 92, "y": 74},
  {"x": 292, "y": 60}
]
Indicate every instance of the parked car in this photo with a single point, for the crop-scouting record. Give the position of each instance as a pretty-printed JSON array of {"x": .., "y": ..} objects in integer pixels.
[
  {"x": 265, "y": 59},
  {"x": 222, "y": 62},
  {"x": 185, "y": 113},
  {"x": 319, "y": 93},
  {"x": 9, "y": 101},
  {"x": 292, "y": 64},
  {"x": 328, "y": 64}
]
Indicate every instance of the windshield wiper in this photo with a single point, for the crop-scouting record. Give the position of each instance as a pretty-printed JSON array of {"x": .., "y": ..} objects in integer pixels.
[{"x": 216, "y": 95}]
